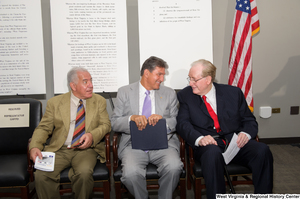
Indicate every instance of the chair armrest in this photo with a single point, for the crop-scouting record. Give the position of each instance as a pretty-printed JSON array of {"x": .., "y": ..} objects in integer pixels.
[
  {"x": 191, "y": 160},
  {"x": 182, "y": 150},
  {"x": 30, "y": 165},
  {"x": 115, "y": 149},
  {"x": 107, "y": 152}
]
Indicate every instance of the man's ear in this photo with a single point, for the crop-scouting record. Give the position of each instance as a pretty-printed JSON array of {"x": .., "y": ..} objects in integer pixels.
[
  {"x": 208, "y": 80},
  {"x": 73, "y": 86},
  {"x": 146, "y": 72}
]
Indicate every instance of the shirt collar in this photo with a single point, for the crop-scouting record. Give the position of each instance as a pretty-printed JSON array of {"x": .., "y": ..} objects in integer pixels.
[
  {"x": 75, "y": 99},
  {"x": 143, "y": 89},
  {"x": 212, "y": 93}
]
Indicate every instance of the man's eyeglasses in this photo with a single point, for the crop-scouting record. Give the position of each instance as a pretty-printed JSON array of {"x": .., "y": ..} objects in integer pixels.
[{"x": 193, "y": 80}]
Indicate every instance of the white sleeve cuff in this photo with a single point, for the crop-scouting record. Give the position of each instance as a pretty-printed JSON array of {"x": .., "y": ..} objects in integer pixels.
[
  {"x": 198, "y": 139},
  {"x": 249, "y": 136}
]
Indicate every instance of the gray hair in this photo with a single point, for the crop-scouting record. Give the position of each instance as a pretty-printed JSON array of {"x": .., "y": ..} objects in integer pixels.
[
  {"x": 208, "y": 68},
  {"x": 72, "y": 75}
]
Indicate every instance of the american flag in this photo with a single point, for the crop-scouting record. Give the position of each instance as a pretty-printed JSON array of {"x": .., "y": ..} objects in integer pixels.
[{"x": 245, "y": 25}]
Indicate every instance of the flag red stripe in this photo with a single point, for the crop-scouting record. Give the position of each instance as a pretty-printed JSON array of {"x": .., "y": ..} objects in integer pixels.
[
  {"x": 248, "y": 84},
  {"x": 251, "y": 103},
  {"x": 255, "y": 25},
  {"x": 254, "y": 11},
  {"x": 246, "y": 64},
  {"x": 236, "y": 25},
  {"x": 239, "y": 50}
]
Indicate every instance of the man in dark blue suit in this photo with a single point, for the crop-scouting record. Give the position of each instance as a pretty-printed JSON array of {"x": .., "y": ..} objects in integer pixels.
[{"x": 196, "y": 126}]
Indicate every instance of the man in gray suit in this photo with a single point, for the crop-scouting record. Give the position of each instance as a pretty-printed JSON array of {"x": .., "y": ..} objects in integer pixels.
[{"x": 129, "y": 107}]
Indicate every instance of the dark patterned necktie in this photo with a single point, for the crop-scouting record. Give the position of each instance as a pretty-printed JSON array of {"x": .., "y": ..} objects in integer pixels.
[{"x": 79, "y": 125}]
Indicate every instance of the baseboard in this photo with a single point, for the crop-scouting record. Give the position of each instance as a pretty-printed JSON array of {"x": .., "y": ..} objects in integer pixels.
[{"x": 286, "y": 140}]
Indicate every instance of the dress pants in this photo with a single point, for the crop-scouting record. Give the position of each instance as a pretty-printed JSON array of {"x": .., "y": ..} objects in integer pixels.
[
  {"x": 82, "y": 162},
  {"x": 255, "y": 155},
  {"x": 134, "y": 163}
]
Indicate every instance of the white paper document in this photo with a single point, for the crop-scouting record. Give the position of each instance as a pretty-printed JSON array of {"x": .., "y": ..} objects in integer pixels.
[
  {"x": 47, "y": 163},
  {"x": 177, "y": 25},
  {"x": 22, "y": 64},
  {"x": 232, "y": 149},
  {"x": 91, "y": 34}
]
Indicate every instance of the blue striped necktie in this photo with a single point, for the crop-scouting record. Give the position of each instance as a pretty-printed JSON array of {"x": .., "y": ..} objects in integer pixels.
[{"x": 79, "y": 125}]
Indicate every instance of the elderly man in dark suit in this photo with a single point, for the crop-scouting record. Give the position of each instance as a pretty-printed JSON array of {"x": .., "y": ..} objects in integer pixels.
[
  {"x": 75, "y": 144},
  {"x": 204, "y": 100}
]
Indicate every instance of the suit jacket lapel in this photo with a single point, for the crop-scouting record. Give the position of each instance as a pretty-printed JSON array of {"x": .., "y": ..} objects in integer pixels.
[
  {"x": 64, "y": 108},
  {"x": 201, "y": 105},
  {"x": 220, "y": 103},
  {"x": 91, "y": 109},
  {"x": 159, "y": 102}
]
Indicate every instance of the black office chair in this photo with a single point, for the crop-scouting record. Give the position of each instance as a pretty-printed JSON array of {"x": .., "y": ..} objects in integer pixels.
[
  {"x": 151, "y": 172},
  {"x": 101, "y": 174},
  {"x": 236, "y": 174},
  {"x": 15, "y": 165}
]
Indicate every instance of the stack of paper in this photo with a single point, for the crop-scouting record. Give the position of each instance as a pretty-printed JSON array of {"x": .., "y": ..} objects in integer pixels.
[
  {"x": 232, "y": 149},
  {"x": 47, "y": 163}
]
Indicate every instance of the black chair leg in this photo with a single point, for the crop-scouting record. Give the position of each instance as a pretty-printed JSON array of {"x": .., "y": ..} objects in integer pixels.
[
  {"x": 225, "y": 168},
  {"x": 229, "y": 180}
]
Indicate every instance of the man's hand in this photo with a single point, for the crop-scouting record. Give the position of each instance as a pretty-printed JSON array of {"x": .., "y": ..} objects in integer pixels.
[
  {"x": 153, "y": 119},
  {"x": 242, "y": 140},
  {"x": 34, "y": 152},
  {"x": 86, "y": 141},
  {"x": 140, "y": 121},
  {"x": 207, "y": 140}
]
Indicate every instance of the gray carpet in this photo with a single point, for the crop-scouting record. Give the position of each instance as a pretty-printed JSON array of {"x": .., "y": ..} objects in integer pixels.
[{"x": 286, "y": 175}]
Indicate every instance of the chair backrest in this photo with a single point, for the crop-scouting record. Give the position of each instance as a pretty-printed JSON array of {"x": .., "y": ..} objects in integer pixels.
[{"x": 14, "y": 140}]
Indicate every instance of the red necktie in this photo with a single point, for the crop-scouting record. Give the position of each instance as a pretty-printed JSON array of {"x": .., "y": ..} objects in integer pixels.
[{"x": 212, "y": 113}]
